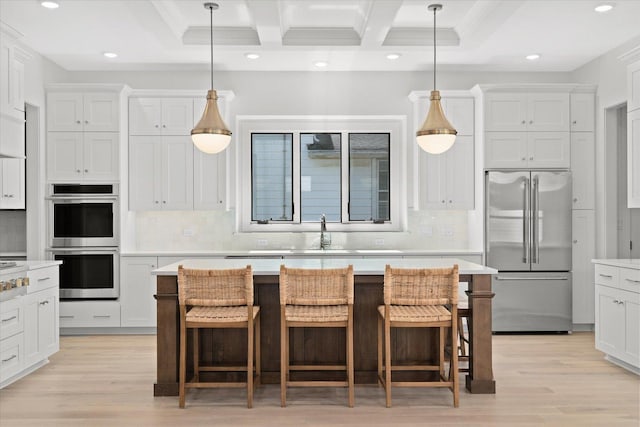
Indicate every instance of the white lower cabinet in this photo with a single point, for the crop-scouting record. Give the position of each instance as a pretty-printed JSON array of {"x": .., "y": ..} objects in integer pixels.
[
  {"x": 12, "y": 184},
  {"x": 137, "y": 288},
  {"x": 90, "y": 314},
  {"x": 41, "y": 338},
  {"x": 617, "y": 296}
]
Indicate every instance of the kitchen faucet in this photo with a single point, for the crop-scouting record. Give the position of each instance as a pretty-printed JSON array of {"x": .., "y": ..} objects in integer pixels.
[{"x": 325, "y": 242}]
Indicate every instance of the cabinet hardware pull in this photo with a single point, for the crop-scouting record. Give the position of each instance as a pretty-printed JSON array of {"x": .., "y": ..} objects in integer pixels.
[
  {"x": 8, "y": 319},
  {"x": 524, "y": 158},
  {"x": 608, "y": 276},
  {"x": 67, "y": 317},
  {"x": 11, "y": 358},
  {"x": 45, "y": 302},
  {"x": 530, "y": 278},
  {"x": 632, "y": 281},
  {"x": 42, "y": 279},
  {"x": 101, "y": 316},
  {"x": 615, "y": 301}
]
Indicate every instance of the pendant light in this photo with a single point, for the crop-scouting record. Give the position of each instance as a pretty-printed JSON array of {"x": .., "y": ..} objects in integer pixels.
[
  {"x": 436, "y": 134},
  {"x": 211, "y": 134}
]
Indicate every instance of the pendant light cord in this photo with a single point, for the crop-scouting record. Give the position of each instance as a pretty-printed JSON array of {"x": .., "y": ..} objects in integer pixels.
[
  {"x": 211, "y": 12},
  {"x": 434, "y": 48}
]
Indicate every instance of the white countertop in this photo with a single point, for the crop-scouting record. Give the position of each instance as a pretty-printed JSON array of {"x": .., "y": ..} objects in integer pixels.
[
  {"x": 621, "y": 262},
  {"x": 313, "y": 252},
  {"x": 22, "y": 266},
  {"x": 361, "y": 266}
]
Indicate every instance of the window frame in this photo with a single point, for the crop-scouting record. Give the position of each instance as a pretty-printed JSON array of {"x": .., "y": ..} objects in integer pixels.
[{"x": 394, "y": 126}]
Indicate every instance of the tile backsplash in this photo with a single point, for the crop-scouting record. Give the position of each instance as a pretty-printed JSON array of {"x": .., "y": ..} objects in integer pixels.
[
  {"x": 13, "y": 231},
  {"x": 214, "y": 230}
]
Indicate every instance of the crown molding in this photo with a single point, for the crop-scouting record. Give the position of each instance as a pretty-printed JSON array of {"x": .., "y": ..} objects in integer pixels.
[{"x": 631, "y": 55}]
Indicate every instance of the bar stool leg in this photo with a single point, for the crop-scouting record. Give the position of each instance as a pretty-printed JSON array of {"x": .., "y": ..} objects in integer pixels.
[
  {"x": 380, "y": 337},
  {"x": 284, "y": 345},
  {"x": 183, "y": 364},
  {"x": 250, "y": 361},
  {"x": 258, "y": 369},
  {"x": 196, "y": 354},
  {"x": 387, "y": 359},
  {"x": 350, "y": 378}
]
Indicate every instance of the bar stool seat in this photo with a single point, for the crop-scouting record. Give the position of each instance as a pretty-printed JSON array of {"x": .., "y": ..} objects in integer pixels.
[
  {"x": 316, "y": 313},
  {"x": 416, "y": 313},
  {"x": 220, "y": 314}
]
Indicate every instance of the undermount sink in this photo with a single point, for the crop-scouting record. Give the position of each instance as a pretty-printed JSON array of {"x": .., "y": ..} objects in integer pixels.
[
  {"x": 378, "y": 251},
  {"x": 324, "y": 251}
]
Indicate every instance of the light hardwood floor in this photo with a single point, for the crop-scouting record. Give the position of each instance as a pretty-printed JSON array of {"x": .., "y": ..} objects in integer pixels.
[{"x": 541, "y": 380}]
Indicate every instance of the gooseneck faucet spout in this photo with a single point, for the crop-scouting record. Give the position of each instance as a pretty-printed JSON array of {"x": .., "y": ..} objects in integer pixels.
[{"x": 324, "y": 242}]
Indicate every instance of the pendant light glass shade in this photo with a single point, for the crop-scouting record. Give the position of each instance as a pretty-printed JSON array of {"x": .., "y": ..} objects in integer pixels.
[
  {"x": 436, "y": 135},
  {"x": 211, "y": 134}
]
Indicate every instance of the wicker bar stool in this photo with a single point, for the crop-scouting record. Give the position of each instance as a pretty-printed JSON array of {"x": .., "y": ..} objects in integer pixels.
[
  {"x": 419, "y": 298},
  {"x": 218, "y": 299},
  {"x": 315, "y": 298}
]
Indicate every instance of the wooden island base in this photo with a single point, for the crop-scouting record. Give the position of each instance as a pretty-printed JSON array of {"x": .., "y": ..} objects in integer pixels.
[{"x": 318, "y": 344}]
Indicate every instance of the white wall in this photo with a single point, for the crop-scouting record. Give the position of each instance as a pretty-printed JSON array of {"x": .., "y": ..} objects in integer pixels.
[
  {"x": 306, "y": 93},
  {"x": 609, "y": 72}
]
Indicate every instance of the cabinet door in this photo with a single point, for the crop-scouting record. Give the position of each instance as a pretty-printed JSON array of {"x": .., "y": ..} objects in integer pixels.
[
  {"x": 137, "y": 287},
  {"x": 460, "y": 112},
  {"x": 584, "y": 250},
  {"x": 633, "y": 159},
  {"x": 610, "y": 333},
  {"x": 64, "y": 156},
  {"x": 41, "y": 332},
  {"x": 631, "y": 349},
  {"x": 101, "y": 112},
  {"x": 177, "y": 173},
  {"x": 208, "y": 180},
  {"x": 582, "y": 168},
  {"x": 64, "y": 112},
  {"x": 505, "y": 150},
  {"x": 145, "y": 116},
  {"x": 31, "y": 349},
  {"x": 582, "y": 112},
  {"x": 145, "y": 158},
  {"x": 101, "y": 159},
  {"x": 548, "y": 112},
  {"x": 177, "y": 116},
  {"x": 458, "y": 173},
  {"x": 12, "y": 184},
  {"x": 17, "y": 85},
  {"x": 6, "y": 56},
  {"x": 633, "y": 86},
  {"x": 548, "y": 149},
  {"x": 432, "y": 179},
  {"x": 505, "y": 112}
]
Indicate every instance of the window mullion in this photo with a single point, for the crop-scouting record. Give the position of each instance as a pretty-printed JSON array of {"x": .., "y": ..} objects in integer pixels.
[
  {"x": 344, "y": 176},
  {"x": 297, "y": 202}
]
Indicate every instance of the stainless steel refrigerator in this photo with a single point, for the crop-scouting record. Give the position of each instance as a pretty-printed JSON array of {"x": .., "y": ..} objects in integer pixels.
[{"x": 528, "y": 239}]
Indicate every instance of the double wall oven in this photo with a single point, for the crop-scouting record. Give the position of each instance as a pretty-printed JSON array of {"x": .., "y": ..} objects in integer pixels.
[{"x": 83, "y": 233}]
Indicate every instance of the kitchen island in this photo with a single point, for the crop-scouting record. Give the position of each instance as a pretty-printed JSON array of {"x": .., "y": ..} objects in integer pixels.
[{"x": 327, "y": 345}]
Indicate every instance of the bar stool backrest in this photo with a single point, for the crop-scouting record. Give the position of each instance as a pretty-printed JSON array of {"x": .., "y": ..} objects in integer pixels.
[
  {"x": 302, "y": 286},
  {"x": 420, "y": 286},
  {"x": 223, "y": 288}
]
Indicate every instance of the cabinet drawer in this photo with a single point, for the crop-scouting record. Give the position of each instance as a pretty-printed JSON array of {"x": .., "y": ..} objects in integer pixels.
[
  {"x": 629, "y": 279},
  {"x": 43, "y": 278},
  {"x": 11, "y": 317},
  {"x": 11, "y": 356},
  {"x": 606, "y": 275},
  {"x": 89, "y": 314}
]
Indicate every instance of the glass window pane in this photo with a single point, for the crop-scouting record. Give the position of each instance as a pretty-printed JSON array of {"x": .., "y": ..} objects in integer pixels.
[
  {"x": 320, "y": 176},
  {"x": 271, "y": 176},
  {"x": 369, "y": 176}
]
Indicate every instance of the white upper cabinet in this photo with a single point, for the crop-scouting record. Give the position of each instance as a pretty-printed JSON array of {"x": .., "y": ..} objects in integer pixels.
[
  {"x": 12, "y": 184},
  {"x": 12, "y": 69},
  {"x": 582, "y": 167},
  {"x": 160, "y": 116},
  {"x": 506, "y": 112},
  {"x": 87, "y": 156},
  {"x": 582, "y": 112},
  {"x": 633, "y": 135},
  {"x": 505, "y": 150},
  {"x": 77, "y": 111},
  {"x": 160, "y": 173},
  {"x": 548, "y": 150}
]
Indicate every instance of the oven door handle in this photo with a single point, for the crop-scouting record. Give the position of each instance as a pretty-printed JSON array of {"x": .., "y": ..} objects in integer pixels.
[
  {"x": 85, "y": 250},
  {"x": 82, "y": 198}
]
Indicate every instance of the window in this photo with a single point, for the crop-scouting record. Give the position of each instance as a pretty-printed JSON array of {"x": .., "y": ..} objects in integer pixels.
[{"x": 300, "y": 169}]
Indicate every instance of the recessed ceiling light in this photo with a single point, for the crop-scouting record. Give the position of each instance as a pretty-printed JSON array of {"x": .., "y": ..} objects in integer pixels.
[
  {"x": 603, "y": 8},
  {"x": 110, "y": 54},
  {"x": 393, "y": 56},
  {"x": 50, "y": 4},
  {"x": 321, "y": 64},
  {"x": 252, "y": 55},
  {"x": 533, "y": 57}
]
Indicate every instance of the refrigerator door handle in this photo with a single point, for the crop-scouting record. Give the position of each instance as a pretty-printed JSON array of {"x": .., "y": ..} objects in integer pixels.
[
  {"x": 536, "y": 229},
  {"x": 525, "y": 222}
]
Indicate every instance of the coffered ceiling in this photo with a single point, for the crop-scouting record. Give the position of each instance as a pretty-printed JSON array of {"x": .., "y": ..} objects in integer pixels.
[{"x": 488, "y": 35}]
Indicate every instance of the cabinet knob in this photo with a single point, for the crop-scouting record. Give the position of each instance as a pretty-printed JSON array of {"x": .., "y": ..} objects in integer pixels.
[
  {"x": 77, "y": 170},
  {"x": 443, "y": 201},
  {"x": 86, "y": 122},
  {"x": 164, "y": 201},
  {"x": 524, "y": 158},
  {"x": 574, "y": 122},
  {"x": 575, "y": 241},
  {"x": 86, "y": 170},
  {"x": 450, "y": 201},
  {"x": 10, "y": 196},
  {"x": 575, "y": 199},
  {"x": 530, "y": 122},
  {"x": 531, "y": 158},
  {"x": 78, "y": 121},
  {"x": 157, "y": 126},
  {"x": 156, "y": 202},
  {"x": 524, "y": 121},
  {"x": 164, "y": 126}
]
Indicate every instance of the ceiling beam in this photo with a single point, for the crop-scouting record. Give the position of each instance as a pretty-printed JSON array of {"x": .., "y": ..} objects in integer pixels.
[
  {"x": 266, "y": 16},
  {"x": 379, "y": 21},
  {"x": 482, "y": 20}
]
